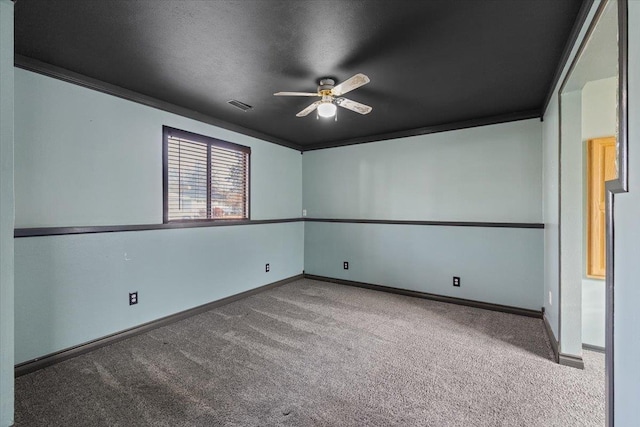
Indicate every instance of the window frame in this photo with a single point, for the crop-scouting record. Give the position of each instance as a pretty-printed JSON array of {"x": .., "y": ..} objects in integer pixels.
[{"x": 169, "y": 132}]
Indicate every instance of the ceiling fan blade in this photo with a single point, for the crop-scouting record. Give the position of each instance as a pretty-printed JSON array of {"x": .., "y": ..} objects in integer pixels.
[
  {"x": 350, "y": 84},
  {"x": 353, "y": 106},
  {"x": 295, "y": 94},
  {"x": 309, "y": 109}
]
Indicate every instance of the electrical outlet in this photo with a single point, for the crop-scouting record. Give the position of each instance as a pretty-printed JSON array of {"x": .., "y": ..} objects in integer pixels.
[
  {"x": 267, "y": 268},
  {"x": 304, "y": 212},
  {"x": 550, "y": 298},
  {"x": 456, "y": 281},
  {"x": 133, "y": 298},
  {"x": 345, "y": 265}
]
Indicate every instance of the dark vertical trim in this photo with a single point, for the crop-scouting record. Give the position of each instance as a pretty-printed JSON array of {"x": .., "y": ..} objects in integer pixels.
[
  {"x": 559, "y": 296},
  {"x": 623, "y": 98},
  {"x": 609, "y": 304},
  {"x": 248, "y": 177},
  {"x": 573, "y": 37},
  {"x": 165, "y": 174},
  {"x": 618, "y": 185},
  {"x": 209, "y": 189}
]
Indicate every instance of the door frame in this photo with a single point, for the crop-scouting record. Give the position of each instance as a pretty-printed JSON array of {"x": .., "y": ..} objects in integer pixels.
[{"x": 612, "y": 187}]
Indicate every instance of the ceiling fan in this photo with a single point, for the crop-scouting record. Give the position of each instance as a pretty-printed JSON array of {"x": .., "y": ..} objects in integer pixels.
[{"x": 331, "y": 95}]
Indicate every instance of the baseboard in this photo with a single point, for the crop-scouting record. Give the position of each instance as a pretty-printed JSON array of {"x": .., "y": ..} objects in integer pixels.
[
  {"x": 571, "y": 360},
  {"x": 593, "y": 348},
  {"x": 434, "y": 297},
  {"x": 58, "y": 356},
  {"x": 552, "y": 338}
]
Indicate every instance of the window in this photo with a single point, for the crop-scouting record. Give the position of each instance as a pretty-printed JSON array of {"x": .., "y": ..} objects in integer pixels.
[{"x": 204, "y": 178}]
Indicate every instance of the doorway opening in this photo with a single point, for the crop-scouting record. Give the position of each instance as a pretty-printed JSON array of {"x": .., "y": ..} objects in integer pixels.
[{"x": 593, "y": 166}]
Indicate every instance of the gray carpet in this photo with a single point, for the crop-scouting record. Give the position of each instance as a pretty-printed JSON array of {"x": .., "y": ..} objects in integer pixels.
[{"x": 311, "y": 353}]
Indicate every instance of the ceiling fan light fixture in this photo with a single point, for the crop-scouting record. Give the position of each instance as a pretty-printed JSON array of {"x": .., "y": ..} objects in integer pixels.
[
  {"x": 327, "y": 109},
  {"x": 331, "y": 97}
]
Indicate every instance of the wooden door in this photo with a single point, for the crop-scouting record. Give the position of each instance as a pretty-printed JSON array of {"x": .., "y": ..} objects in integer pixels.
[{"x": 601, "y": 167}]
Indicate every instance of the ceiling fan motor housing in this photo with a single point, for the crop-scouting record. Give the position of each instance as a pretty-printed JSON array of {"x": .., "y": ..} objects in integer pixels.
[{"x": 326, "y": 84}]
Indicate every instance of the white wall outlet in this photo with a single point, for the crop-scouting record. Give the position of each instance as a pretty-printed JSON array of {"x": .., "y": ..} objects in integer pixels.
[
  {"x": 550, "y": 298},
  {"x": 304, "y": 212}
]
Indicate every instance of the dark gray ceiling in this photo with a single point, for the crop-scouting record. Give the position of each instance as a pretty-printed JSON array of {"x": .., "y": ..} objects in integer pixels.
[{"x": 430, "y": 62}]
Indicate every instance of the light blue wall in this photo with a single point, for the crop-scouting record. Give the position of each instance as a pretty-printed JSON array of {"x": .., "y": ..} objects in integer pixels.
[
  {"x": 72, "y": 289},
  {"x": 593, "y": 312},
  {"x": 599, "y": 119},
  {"x": 496, "y": 265},
  {"x": 551, "y": 189},
  {"x": 6, "y": 214},
  {"x": 551, "y": 214},
  {"x": 489, "y": 173},
  {"x": 588, "y": 111},
  {"x": 627, "y": 252},
  {"x": 87, "y": 158},
  {"x": 572, "y": 227},
  {"x": 599, "y": 113}
]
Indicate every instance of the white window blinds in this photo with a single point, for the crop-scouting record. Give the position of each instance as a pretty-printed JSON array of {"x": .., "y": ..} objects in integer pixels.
[{"x": 204, "y": 178}]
